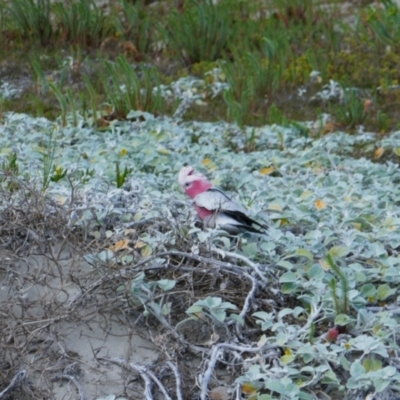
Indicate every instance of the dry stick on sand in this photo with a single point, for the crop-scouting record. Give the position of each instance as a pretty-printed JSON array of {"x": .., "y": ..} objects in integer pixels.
[
  {"x": 215, "y": 355},
  {"x": 19, "y": 377},
  {"x": 72, "y": 379},
  {"x": 147, "y": 375},
  {"x": 178, "y": 380}
]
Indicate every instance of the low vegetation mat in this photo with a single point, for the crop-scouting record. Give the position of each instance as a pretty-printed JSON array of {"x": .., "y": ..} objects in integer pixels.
[{"x": 308, "y": 308}]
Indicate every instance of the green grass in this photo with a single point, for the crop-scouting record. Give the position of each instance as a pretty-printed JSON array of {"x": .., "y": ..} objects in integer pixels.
[
  {"x": 199, "y": 20},
  {"x": 82, "y": 23},
  {"x": 127, "y": 91},
  {"x": 266, "y": 53},
  {"x": 31, "y": 19},
  {"x": 137, "y": 24}
]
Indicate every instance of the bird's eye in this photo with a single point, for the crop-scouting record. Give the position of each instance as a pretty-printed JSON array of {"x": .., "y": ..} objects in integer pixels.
[{"x": 187, "y": 184}]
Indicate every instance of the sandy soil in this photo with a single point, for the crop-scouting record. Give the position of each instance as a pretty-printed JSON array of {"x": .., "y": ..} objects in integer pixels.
[{"x": 50, "y": 338}]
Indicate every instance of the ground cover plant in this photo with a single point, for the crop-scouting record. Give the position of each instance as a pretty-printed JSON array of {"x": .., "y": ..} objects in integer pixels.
[{"x": 110, "y": 286}]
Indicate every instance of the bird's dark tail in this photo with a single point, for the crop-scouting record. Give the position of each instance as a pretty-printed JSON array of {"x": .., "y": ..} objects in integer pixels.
[{"x": 246, "y": 223}]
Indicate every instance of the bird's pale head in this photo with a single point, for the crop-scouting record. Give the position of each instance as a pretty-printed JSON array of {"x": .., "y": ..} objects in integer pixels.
[{"x": 193, "y": 183}]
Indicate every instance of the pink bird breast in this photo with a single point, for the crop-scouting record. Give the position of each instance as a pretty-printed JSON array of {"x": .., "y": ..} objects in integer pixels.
[{"x": 197, "y": 186}]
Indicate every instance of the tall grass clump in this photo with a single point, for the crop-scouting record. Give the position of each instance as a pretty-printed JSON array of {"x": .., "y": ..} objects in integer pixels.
[
  {"x": 312, "y": 35},
  {"x": 3, "y": 28},
  {"x": 82, "y": 23},
  {"x": 200, "y": 33},
  {"x": 134, "y": 23},
  {"x": 341, "y": 303},
  {"x": 385, "y": 23},
  {"x": 32, "y": 19},
  {"x": 128, "y": 90},
  {"x": 253, "y": 77},
  {"x": 48, "y": 155}
]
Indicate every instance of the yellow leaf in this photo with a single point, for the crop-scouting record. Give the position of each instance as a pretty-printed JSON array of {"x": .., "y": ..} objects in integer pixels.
[
  {"x": 325, "y": 266},
  {"x": 288, "y": 352},
  {"x": 120, "y": 245},
  {"x": 61, "y": 199},
  {"x": 124, "y": 152},
  {"x": 320, "y": 204},
  {"x": 139, "y": 244},
  {"x": 248, "y": 388},
  {"x": 275, "y": 207},
  {"x": 287, "y": 359},
  {"x": 200, "y": 315},
  {"x": 378, "y": 152},
  {"x": 137, "y": 217},
  {"x": 267, "y": 171},
  {"x": 163, "y": 151},
  {"x": 146, "y": 251},
  {"x": 209, "y": 164},
  {"x": 376, "y": 329},
  {"x": 306, "y": 194},
  {"x": 318, "y": 170}
]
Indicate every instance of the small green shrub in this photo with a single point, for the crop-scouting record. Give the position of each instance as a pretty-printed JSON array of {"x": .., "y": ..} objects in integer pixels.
[
  {"x": 341, "y": 304},
  {"x": 48, "y": 155},
  {"x": 120, "y": 176},
  {"x": 351, "y": 112}
]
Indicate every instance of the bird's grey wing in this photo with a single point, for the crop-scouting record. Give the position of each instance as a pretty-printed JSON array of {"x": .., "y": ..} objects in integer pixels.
[{"x": 216, "y": 200}]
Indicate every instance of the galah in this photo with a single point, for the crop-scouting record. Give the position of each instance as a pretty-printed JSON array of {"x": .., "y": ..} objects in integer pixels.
[{"x": 213, "y": 206}]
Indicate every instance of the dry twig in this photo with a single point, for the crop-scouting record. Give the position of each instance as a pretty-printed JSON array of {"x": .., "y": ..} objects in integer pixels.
[
  {"x": 18, "y": 378},
  {"x": 145, "y": 373}
]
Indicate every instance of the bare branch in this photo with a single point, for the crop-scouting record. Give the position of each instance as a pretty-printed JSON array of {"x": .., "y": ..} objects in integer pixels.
[
  {"x": 177, "y": 378},
  {"x": 214, "y": 357},
  {"x": 18, "y": 378},
  {"x": 145, "y": 373}
]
